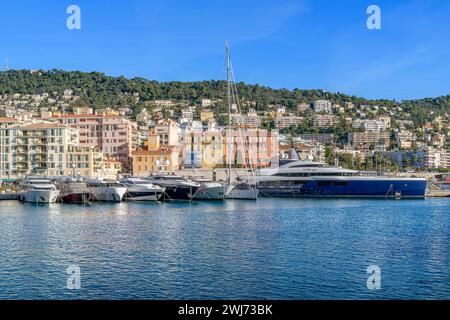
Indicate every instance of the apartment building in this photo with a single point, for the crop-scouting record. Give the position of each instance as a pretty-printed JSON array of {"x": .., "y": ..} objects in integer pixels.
[
  {"x": 322, "y": 106},
  {"x": 282, "y": 121},
  {"x": 376, "y": 137},
  {"x": 84, "y": 161},
  {"x": 302, "y": 107},
  {"x": 187, "y": 115},
  {"x": 112, "y": 135},
  {"x": 323, "y": 121},
  {"x": 206, "y": 115},
  {"x": 202, "y": 148},
  {"x": 36, "y": 149},
  {"x": 250, "y": 147},
  {"x": 251, "y": 120},
  {"x": 146, "y": 162},
  {"x": 370, "y": 125},
  {"x": 323, "y": 138},
  {"x": 373, "y": 125},
  {"x": 168, "y": 132},
  {"x": 405, "y": 139},
  {"x": 436, "y": 158}
]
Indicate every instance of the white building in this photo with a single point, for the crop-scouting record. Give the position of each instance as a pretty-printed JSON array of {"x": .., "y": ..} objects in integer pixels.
[{"x": 322, "y": 106}]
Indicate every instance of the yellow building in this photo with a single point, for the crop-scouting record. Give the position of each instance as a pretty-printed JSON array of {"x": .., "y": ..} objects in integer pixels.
[
  {"x": 110, "y": 168},
  {"x": 152, "y": 141},
  {"x": 147, "y": 161},
  {"x": 206, "y": 115},
  {"x": 83, "y": 161},
  {"x": 202, "y": 149}
]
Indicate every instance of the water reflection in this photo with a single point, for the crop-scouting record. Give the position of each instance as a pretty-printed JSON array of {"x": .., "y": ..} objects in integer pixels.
[{"x": 279, "y": 249}]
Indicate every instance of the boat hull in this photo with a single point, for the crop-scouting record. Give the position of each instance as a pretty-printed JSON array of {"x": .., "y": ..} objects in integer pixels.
[
  {"x": 243, "y": 194},
  {"x": 106, "y": 194},
  {"x": 348, "y": 188},
  {"x": 210, "y": 193},
  {"x": 39, "y": 196},
  {"x": 143, "y": 195},
  {"x": 179, "y": 193},
  {"x": 80, "y": 198}
]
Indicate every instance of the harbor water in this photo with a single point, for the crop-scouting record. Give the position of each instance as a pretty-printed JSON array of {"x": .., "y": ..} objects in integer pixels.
[{"x": 268, "y": 249}]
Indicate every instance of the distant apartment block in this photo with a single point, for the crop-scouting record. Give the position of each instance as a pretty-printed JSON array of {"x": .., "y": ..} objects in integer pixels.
[
  {"x": 375, "y": 137},
  {"x": 374, "y": 125},
  {"x": 207, "y": 103},
  {"x": 302, "y": 107},
  {"x": 187, "y": 115},
  {"x": 405, "y": 139},
  {"x": 386, "y": 120},
  {"x": 250, "y": 120},
  {"x": 323, "y": 138},
  {"x": 82, "y": 110},
  {"x": 437, "y": 158},
  {"x": 322, "y": 106},
  {"x": 163, "y": 103},
  {"x": 323, "y": 121},
  {"x": 282, "y": 122},
  {"x": 349, "y": 105},
  {"x": 206, "y": 115}
]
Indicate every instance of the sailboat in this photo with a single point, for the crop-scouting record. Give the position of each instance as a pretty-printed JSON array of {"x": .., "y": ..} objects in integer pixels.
[{"x": 240, "y": 190}]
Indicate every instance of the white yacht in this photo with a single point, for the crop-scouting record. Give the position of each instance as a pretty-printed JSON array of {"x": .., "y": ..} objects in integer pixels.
[
  {"x": 209, "y": 190},
  {"x": 297, "y": 178},
  {"x": 107, "y": 190},
  {"x": 242, "y": 191},
  {"x": 38, "y": 190},
  {"x": 176, "y": 187},
  {"x": 141, "y": 190}
]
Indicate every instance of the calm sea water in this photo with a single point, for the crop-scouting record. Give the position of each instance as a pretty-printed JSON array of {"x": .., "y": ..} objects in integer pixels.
[{"x": 270, "y": 249}]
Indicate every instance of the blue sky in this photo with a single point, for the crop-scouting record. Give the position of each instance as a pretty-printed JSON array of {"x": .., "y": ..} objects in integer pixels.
[{"x": 279, "y": 43}]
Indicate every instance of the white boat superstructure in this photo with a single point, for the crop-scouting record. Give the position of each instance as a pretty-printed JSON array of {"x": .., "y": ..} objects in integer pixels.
[
  {"x": 141, "y": 190},
  {"x": 38, "y": 190},
  {"x": 107, "y": 190}
]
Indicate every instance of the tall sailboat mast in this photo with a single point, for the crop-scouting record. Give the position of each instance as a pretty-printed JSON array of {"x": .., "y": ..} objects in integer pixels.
[
  {"x": 242, "y": 191},
  {"x": 229, "y": 137}
]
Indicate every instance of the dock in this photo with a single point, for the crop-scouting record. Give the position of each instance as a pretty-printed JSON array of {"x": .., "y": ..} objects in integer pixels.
[{"x": 438, "y": 194}]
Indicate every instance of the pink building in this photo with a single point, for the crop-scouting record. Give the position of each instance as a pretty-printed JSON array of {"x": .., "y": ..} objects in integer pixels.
[{"x": 113, "y": 135}]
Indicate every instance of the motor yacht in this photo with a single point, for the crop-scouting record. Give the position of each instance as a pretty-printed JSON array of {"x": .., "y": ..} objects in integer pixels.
[
  {"x": 141, "y": 190},
  {"x": 38, "y": 190}
]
